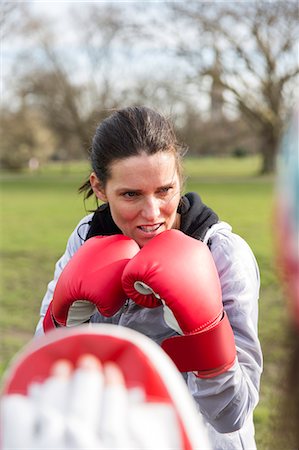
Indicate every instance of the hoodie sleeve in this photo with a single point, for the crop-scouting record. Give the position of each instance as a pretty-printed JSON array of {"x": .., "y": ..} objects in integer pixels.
[
  {"x": 227, "y": 400},
  {"x": 75, "y": 240}
]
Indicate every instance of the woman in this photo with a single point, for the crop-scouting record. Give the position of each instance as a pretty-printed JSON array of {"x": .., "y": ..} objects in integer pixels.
[{"x": 137, "y": 173}]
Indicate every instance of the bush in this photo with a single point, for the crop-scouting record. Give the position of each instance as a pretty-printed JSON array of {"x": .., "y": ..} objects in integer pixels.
[{"x": 239, "y": 152}]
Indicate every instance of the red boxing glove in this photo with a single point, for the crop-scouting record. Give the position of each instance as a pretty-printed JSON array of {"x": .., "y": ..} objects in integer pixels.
[
  {"x": 90, "y": 280},
  {"x": 179, "y": 272}
]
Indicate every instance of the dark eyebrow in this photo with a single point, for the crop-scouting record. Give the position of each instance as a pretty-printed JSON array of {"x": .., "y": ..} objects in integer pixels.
[
  {"x": 130, "y": 189},
  {"x": 125, "y": 189},
  {"x": 166, "y": 185}
]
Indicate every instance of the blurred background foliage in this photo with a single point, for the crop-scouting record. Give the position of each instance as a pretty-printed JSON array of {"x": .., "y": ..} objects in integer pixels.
[{"x": 227, "y": 73}]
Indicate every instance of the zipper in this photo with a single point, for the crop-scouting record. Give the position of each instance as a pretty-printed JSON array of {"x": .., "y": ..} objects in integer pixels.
[{"x": 125, "y": 307}]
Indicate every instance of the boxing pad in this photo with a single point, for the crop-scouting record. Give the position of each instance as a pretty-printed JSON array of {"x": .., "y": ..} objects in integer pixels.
[
  {"x": 179, "y": 272},
  {"x": 91, "y": 280},
  {"x": 157, "y": 411}
]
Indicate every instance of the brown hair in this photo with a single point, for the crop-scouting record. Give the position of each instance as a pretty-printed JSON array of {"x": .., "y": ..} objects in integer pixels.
[{"x": 129, "y": 132}]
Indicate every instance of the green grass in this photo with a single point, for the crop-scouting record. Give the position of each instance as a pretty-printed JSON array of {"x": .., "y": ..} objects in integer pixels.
[
  {"x": 216, "y": 169},
  {"x": 39, "y": 211}
]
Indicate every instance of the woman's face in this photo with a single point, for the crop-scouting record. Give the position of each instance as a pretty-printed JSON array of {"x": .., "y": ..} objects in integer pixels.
[{"x": 143, "y": 193}]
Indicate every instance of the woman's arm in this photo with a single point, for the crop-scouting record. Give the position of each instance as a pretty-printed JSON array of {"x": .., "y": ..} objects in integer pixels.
[
  {"x": 74, "y": 243},
  {"x": 228, "y": 399}
]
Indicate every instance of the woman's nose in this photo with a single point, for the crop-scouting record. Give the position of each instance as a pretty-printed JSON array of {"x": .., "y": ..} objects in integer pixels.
[{"x": 151, "y": 209}]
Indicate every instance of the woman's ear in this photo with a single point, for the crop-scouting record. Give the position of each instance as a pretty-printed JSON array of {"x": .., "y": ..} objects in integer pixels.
[{"x": 97, "y": 187}]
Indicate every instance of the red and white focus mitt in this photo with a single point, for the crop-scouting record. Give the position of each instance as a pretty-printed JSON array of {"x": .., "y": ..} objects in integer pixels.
[{"x": 149, "y": 407}]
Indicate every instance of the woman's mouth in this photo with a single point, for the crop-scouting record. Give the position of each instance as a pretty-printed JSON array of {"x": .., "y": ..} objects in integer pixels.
[{"x": 150, "y": 228}]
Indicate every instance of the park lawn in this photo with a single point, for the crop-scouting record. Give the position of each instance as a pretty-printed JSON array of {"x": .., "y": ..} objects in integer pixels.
[{"x": 39, "y": 211}]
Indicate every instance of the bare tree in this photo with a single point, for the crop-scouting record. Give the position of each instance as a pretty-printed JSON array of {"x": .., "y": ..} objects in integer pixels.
[
  {"x": 243, "y": 53},
  {"x": 10, "y": 16},
  {"x": 71, "y": 88},
  {"x": 23, "y": 138},
  {"x": 256, "y": 44}
]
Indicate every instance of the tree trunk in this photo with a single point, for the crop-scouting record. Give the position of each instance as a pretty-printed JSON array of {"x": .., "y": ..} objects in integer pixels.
[{"x": 269, "y": 148}]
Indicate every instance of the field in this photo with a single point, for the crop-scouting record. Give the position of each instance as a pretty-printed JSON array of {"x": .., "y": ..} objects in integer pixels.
[{"x": 39, "y": 211}]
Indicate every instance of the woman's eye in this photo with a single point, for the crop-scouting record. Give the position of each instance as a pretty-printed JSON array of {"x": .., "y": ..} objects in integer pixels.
[
  {"x": 130, "y": 194},
  {"x": 165, "y": 190}
]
